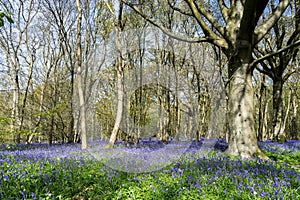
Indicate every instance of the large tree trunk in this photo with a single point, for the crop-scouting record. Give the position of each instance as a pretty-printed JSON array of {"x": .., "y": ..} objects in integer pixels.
[{"x": 242, "y": 138}]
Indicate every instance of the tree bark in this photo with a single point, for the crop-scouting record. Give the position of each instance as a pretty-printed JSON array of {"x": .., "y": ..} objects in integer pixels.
[
  {"x": 294, "y": 130},
  {"x": 242, "y": 134},
  {"x": 277, "y": 108},
  {"x": 120, "y": 94},
  {"x": 80, "y": 80},
  {"x": 120, "y": 87},
  {"x": 262, "y": 110}
]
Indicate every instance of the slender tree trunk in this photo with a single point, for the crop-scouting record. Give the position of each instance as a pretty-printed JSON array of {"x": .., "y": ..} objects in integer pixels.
[
  {"x": 80, "y": 80},
  {"x": 265, "y": 132},
  {"x": 71, "y": 132},
  {"x": 120, "y": 86},
  {"x": 54, "y": 103},
  {"x": 120, "y": 97},
  {"x": 177, "y": 103},
  {"x": 294, "y": 131},
  {"x": 277, "y": 108},
  {"x": 262, "y": 108},
  {"x": 15, "y": 115},
  {"x": 50, "y": 134},
  {"x": 282, "y": 135}
]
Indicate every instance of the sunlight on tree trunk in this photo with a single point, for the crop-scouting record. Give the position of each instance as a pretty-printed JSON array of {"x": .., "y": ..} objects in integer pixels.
[
  {"x": 120, "y": 88},
  {"x": 79, "y": 80},
  {"x": 242, "y": 134}
]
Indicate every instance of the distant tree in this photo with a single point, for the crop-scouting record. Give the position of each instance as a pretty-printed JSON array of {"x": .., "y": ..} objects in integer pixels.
[
  {"x": 19, "y": 52},
  {"x": 82, "y": 106},
  {"x": 62, "y": 17},
  {"x": 119, "y": 23},
  {"x": 279, "y": 67}
]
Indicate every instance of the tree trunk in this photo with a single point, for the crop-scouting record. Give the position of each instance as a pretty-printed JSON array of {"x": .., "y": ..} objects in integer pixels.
[
  {"x": 262, "y": 107},
  {"x": 15, "y": 114},
  {"x": 282, "y": 135},
  {"x": 50, "y": 134},
  {"x": 277, "y": 108},
  {"x": 120, "y": 87},
  {"x": 294, "y": 130},
  {"x": 80, "y": 80},
  {"x": 120, "y": 94},
  {"x": 265, "y": 132},
  {"x": 242, "y": 134}
]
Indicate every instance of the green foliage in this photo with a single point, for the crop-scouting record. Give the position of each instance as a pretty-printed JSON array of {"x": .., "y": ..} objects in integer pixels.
[
  {"x": 284, "y": 157},
  {"x": 4, "y": 128},
  {"x": 106, "y": 115}
]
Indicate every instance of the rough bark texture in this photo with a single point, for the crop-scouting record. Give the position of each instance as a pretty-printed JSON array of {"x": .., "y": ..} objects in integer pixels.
[{"x": 242, "y": 138}]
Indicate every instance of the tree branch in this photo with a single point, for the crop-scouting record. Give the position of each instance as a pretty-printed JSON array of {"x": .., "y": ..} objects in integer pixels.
[
  {"x": 297, "y": 43},
  {"x": 214, "y": 40},
  {"x": 265, "y": 70},
  {"x": 198, "y": 12},
  {"x": 223, "y": 9},
  {"x": 180, "y": 10},
  {"x": 264, "y": 28},
  {"x": 290, "y": 73}
]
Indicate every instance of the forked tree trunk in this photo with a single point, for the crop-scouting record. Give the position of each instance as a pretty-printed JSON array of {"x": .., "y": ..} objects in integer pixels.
[{"x": 242, "y": 138}]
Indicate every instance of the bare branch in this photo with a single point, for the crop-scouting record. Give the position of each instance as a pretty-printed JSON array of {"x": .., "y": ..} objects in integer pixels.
[
  {"x": 223, "y": 9},
  {"x": 198, "y": 12},
  {"x": 297, "y": 43},
  {"x": 264, "y": 28},
  {"x": 265, "y": 70},
  {"x": 214, "y": 40},
  {"x": 290, "y": 73},
  {"x": 180, "y": 10}
]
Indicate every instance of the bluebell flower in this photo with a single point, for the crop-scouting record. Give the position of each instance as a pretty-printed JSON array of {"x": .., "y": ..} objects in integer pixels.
[{"x": 33, "y": 195}]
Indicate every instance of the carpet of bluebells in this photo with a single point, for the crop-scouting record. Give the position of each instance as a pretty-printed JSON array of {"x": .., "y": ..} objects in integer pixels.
[{"x": 63, "y": 171}]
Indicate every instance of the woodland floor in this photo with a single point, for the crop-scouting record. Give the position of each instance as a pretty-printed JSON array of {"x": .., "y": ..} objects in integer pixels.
[{"x": 149, "y": 170}]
